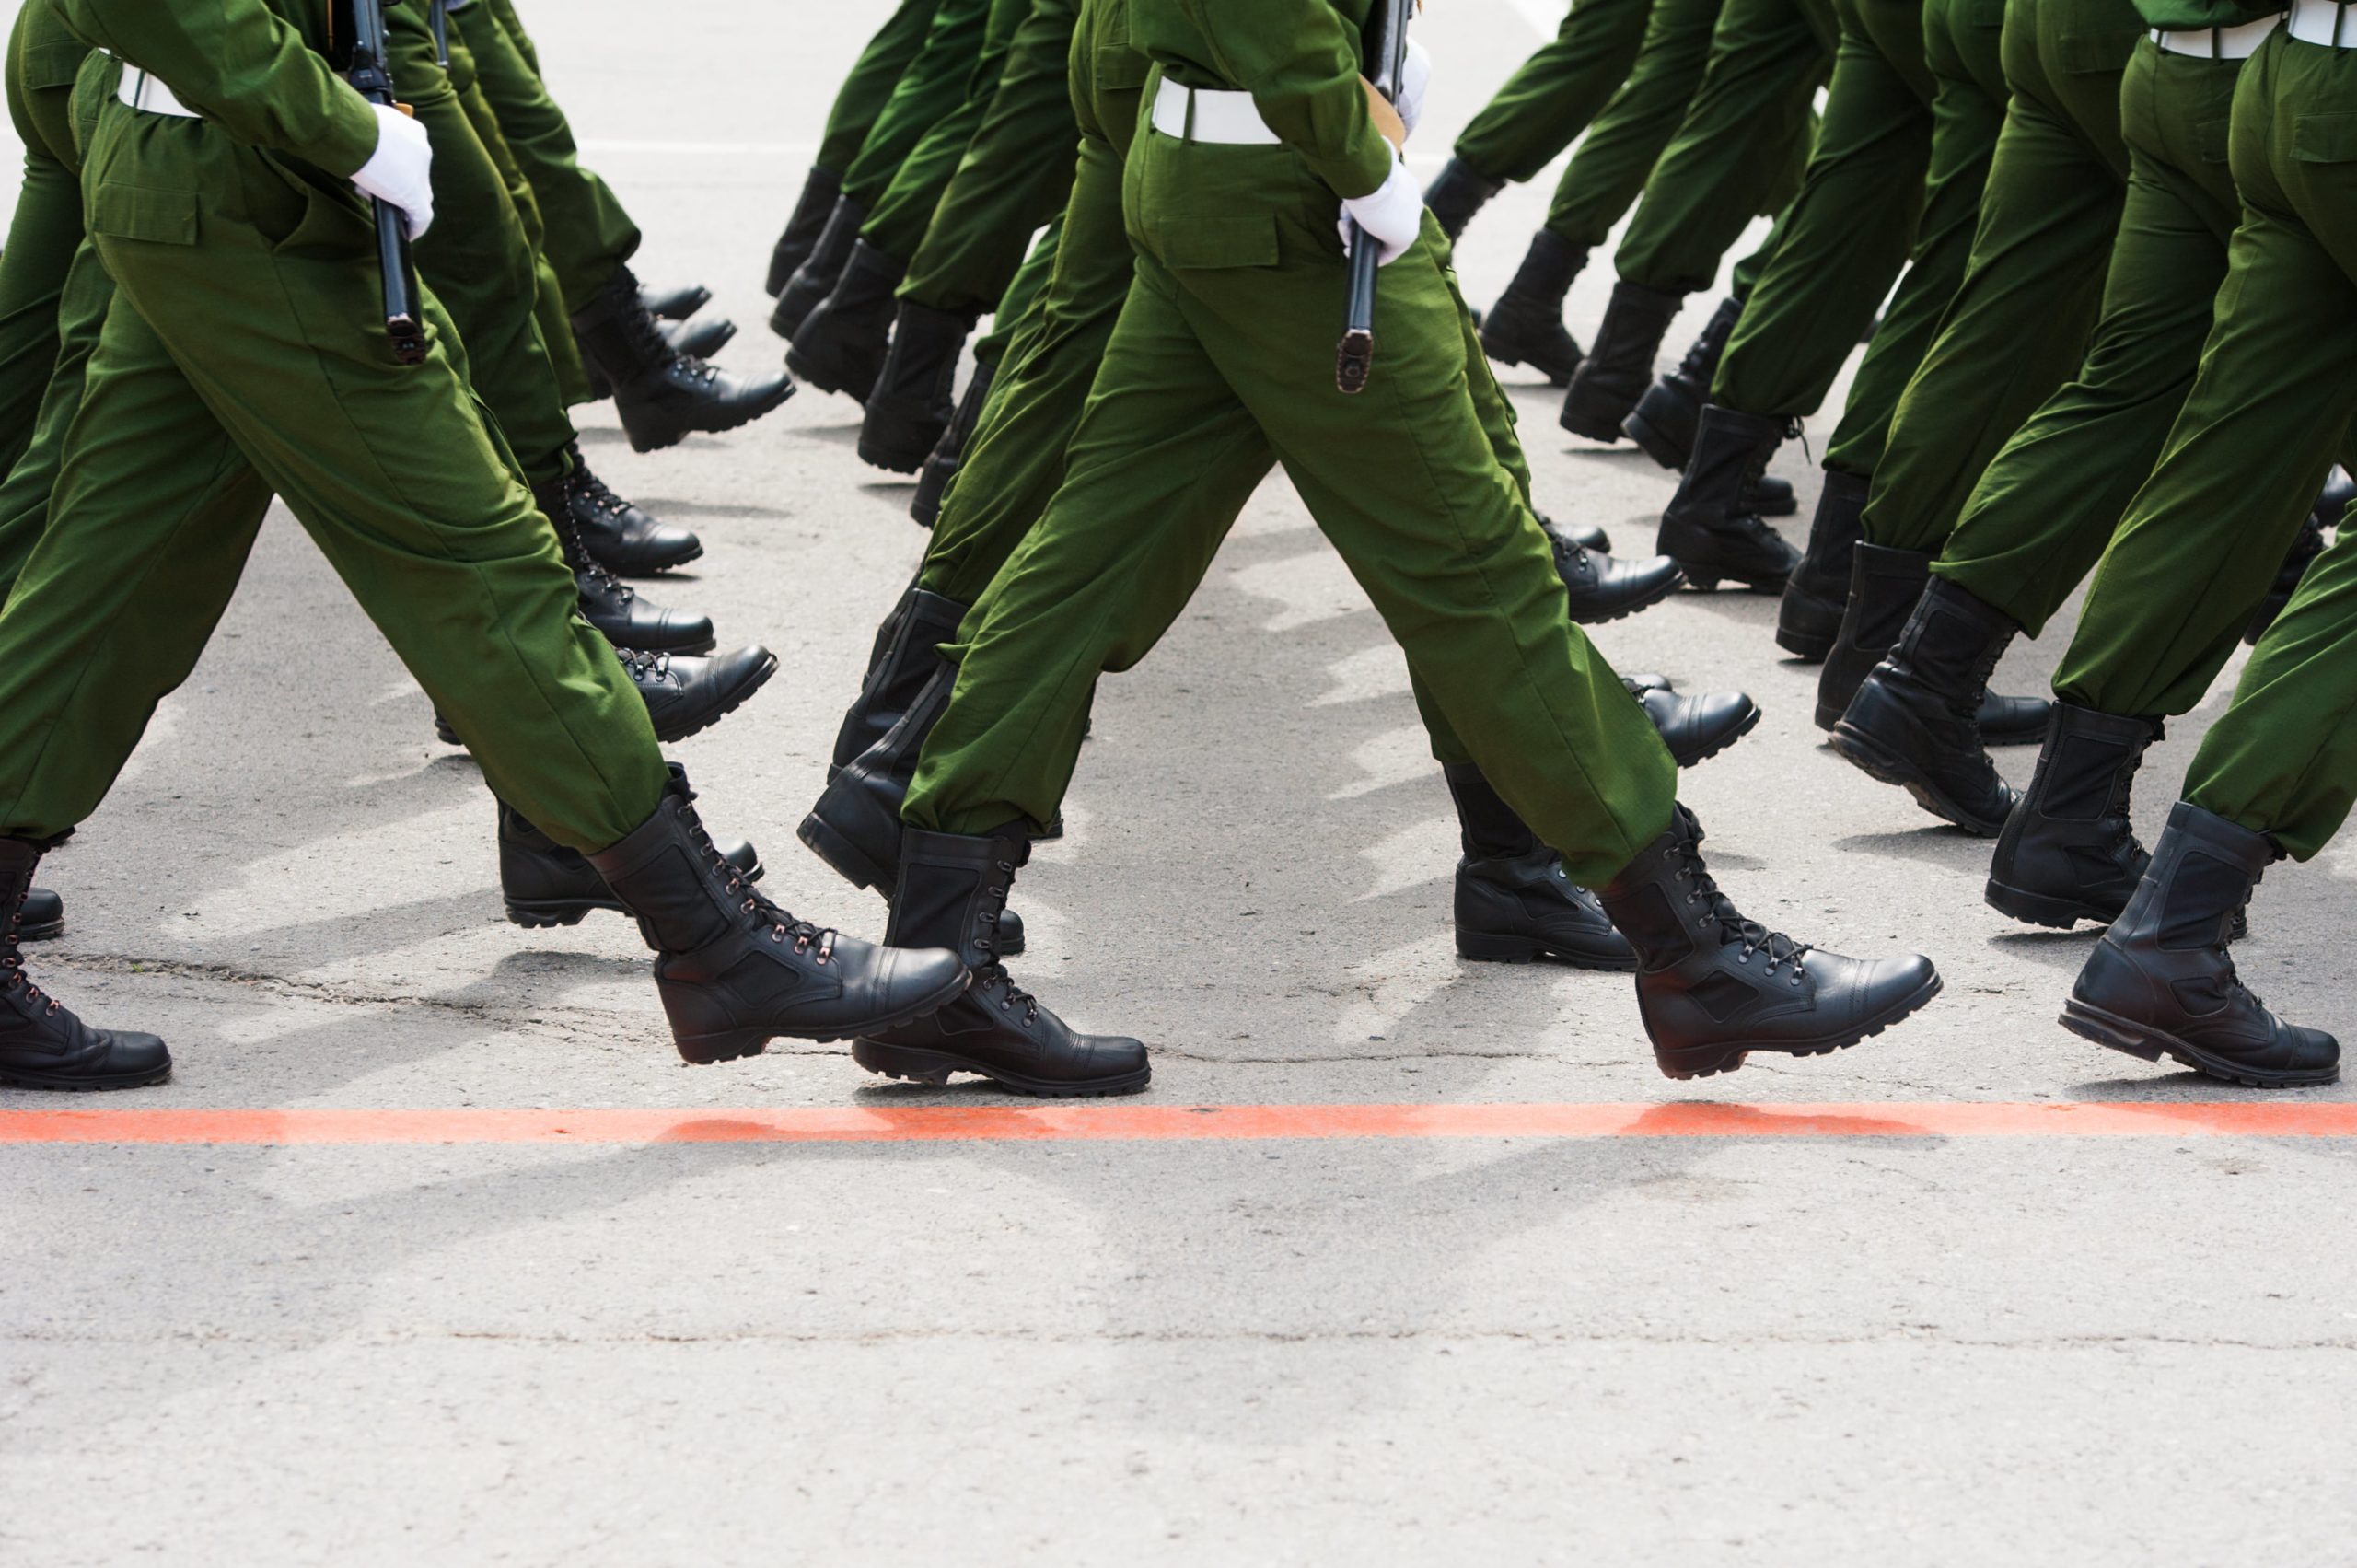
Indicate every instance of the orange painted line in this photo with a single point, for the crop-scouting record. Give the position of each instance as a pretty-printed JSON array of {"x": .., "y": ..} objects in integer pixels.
[{"x": 1163, "y": 1123}]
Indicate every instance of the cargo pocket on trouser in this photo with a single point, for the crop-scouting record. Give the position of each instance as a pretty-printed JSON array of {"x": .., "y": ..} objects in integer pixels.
[{"x": 135, "y": 212}]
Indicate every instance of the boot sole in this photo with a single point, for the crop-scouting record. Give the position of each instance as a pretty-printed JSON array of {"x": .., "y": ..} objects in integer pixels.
[
  {"x": 654, "y": 438},
  {"x": 934, "y": 1067},
  {"x": 735, "y": 698},
  {"x": 895, "y": 459},
  {"x": 1607, "y": 432},
  {"x": 2037, "y": 909},
  {"x": 18, "y": 1078},
  {"x": 735, "y": 1045},
  {"x": 642, "y": 570},
  {"x": 1750, "y": 723},
  {"x": 45, "y": 933},
  {"x": 823, "y": 377},
  {"x": 1488, "y": 948},
  {"x": 1653, "y": 444},
  {"x": 1878, "y": 762},
  {"x": 1669, "y": 587},
  {"x": 1710, "y": 1060},
  {"x": 2115, "y": 1033},
  {"x": 1806, "y": 647}
]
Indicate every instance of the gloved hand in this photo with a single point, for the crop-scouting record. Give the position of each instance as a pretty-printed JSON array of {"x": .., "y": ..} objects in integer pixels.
[
  {"x": 1393, "y": 211},
  {"x": 401, "y": 168},
  {"x": 1415, "y": 80}
]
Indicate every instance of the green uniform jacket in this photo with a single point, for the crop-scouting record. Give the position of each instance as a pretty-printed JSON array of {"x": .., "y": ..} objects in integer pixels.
[
  {"x": 256, "y": 68},
  {"x": 2185, "y": 15},
  {"x": 1300, "y": 62}
]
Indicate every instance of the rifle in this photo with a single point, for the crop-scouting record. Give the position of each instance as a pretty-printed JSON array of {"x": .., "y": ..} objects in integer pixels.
[
  {"x": 405, "y": 322},
  {"x": 1354, "y": 360}
]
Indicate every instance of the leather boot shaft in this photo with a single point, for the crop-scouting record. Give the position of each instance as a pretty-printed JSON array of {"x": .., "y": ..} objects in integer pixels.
[
  {"x": 1458, "y": 194},
  {"x": 815, "y": 277},
  {"x": 952, "y": 892},
  {"x": 1915, "y": 720},
  {"x": 856, "y": 826},
  {"x": 840, "y": 346},
  {"x": 1526, "y": 326},
  {"x": 1713, "y": 528},
  {"x": 909, "y": 658},
  {"x": 618, "y": 333},
  {"x": 1619, "y": 367},
  {"x": 1667, "y": 420},
  {"x": 2069, "y": 851},
  {"x": 1487, "y": 828},
  {"x": 914, "y": 395},
  {"x": 1883, "y": 586},
  {"x": 803, "y": 227},
  {"x": 1808, "y": 621}
]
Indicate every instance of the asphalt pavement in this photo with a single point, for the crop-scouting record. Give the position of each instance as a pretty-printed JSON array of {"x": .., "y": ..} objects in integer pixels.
[{"x": 1953, "y": 1314}]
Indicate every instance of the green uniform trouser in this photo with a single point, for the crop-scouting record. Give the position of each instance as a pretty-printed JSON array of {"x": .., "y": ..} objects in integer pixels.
[
  {"x": 1553, "y": 95},
  {"x": 1018, "y": 308},
  {"x": 1860, "y": 213},
  {"x": 2269, "y": 410},
  {"x": 2018, "y": 326},
  {"x": 2047, "y": 504},
  {"x": 1014, "y": 175},
  {"x": 860, "y": 101},
  {"x": 587, "y": 234},
  {"x": 243, "y": 354},
  {"x": 47, "y": 229},
  {"x": 896, "y": 224},
  {"x": 1749, "y": 122},
  {"x": 477, "y": 257},
  {"x": 935, "y": 83},
  {"x": 1608, "y": 167},
  {"x": 1963, "y": 51},
  {"x": 1218, "y": 364}
]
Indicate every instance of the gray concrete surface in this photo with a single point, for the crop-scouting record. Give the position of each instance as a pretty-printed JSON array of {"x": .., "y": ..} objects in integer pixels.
[{"x": 1829, "y": 1351}]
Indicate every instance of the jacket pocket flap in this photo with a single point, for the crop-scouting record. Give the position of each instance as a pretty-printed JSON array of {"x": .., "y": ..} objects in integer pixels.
[
  {"x": 1216, "y": 242},
  {"x": 132, "y": 212}
]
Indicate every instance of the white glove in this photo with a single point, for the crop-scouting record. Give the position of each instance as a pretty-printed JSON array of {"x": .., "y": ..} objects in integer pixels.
[
  {"x": 1415, "y": 80},
  {"x": 1393, "y": 211},
  {"x": 401, "y": 168}
]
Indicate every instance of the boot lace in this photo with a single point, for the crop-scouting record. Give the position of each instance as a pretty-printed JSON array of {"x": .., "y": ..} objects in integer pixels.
[
  {"x": 590, "y": 488},
  {"x": 647, "y": 669},
  {"x": 993, "y": 973},
  {"x": 13, "y": 978},
  {"x": 1734, "y": 929},
  {"x": 808, "y": 939}
]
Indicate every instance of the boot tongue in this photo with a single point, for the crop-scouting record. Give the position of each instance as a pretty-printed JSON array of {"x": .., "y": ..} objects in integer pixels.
[{"x": 1733, "y": 927}]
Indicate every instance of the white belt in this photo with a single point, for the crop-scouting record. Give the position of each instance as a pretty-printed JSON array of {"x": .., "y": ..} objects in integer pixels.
[
  {"x": 2333, "y": 26},
  {"x": 1194, "y": 115},
  {"x": 2218, "y": 43},
  {"x": 140, "y": 90}
]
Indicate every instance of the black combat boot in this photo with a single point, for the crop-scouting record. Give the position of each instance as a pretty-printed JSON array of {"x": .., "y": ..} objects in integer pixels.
[
  {"x": 1713, "y": 528},
  {"x": 544, "y": 884},
  {"x": 1695, "y": 727},
  {"x": 1809, "y": 622},
  {"x": 1599, "y": 589},
  {"x": 1713, "y": 987},
  {"x": 1884, "y": 587},
  {"x": 815, "y": 277},
  {"x": 734, "y": 971},
  {"x": 1665, "y": 419},
  {"x": 684, "y": 695},
  {"x": 1526, "y": 326},
  {"x": 2305, "y": 548},
  {"x": 1916, "y": 719},
  {"x": 1514, "y": 903},
  {"x": 43, "y": 1046},
  {"x": 42, "y": 919},
  {"x": 840, "y": 346},
  {"x": 952, "y": 892},
  {"x": 910, "y": 408},
  {"x": 2069, "y": 851},
  {"x": 664, "y": 397},
  {"x": 2162, "y": 981},
  {"x": 905, "y": 659},
  {"x": 803, "y": 227},
  {"x": 941, "y": 464},
  {"x": 609, "y": 604},
  {"x": 856, "y": 826},
  {"x": 1457, "y": 195},
  {"x": 699, "y": 339},
  {"x": 1585, "y": 536},
  {"x": 629, "y": 541},
  {"x": 1620, "y": 366},
  {"x": 674, "y": 304}
]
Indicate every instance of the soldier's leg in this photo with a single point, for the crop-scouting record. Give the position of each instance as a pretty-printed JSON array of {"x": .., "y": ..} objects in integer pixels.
[
  {"x": 590, "y": 236},
  {"x": 46, "y": 228},
  {"x": 868, "y": 88},
  {"x": 2045, "y": 506},
  {"x": 1748, "y": 122},
  {"x": 934, "y": 84},
  {"x": 1607, "y": 172},
  {"x": 1549, "y": 99},
  {"x": 25, "y": 493},
  {"x": 1016, "y": 174}
]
